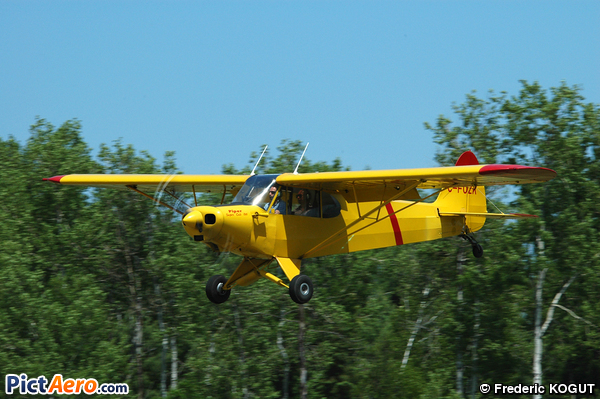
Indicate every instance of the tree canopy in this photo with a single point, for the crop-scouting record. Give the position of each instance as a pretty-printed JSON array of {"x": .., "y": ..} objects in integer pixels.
[{"x": 103, "y": 284}]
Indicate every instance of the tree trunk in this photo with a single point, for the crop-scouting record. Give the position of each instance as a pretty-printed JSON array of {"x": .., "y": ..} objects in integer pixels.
[
  {"x": 135, "y": 290},
  {"x": 415, "y": 330},
  {"x": 537, "y": 333},
  {"x": 138, "y": 335},
  {"x": 540, "y": 329},
  {"x": 537, "y": 337},
  {"x": 474, "y": 354},
  {"x": 139, "y": 346},
  {"x": 286, "y": 361},
  {"x": 301, "y": 353},
  {"x": 459, "y": 370},
  {"x": 174, "y": 361},
  {"x": 242, "y": 352},
  {"x": 165, "y": 343},
  {"x": 460, "y": 366}
]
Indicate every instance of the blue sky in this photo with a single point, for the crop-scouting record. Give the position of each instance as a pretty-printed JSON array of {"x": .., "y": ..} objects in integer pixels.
[{"x": 214, "y": 81}]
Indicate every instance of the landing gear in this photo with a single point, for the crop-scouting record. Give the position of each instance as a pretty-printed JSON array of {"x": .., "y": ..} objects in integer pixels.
[
  {"x": 215, "y": 291},
  {"x": 300, "y": 286},
  {"x": 301, "y": 289},
  {"x": 477, "y": 248}
]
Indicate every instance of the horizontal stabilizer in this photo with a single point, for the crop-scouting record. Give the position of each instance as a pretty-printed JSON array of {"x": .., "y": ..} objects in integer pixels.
[{"x": 489, "y": 215}]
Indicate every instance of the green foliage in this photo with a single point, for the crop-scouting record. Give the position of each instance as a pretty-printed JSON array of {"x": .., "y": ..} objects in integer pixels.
[
  {"x": 103, "y": 284},
  {"x": 558, "y": 130}
]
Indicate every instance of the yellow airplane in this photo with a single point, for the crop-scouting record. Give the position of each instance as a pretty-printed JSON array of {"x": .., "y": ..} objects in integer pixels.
[{"x": 290, "y": 217}]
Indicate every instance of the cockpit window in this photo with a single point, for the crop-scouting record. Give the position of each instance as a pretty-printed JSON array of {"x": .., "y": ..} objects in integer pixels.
[
  {"x": 331, "y": 206},
  {"x": 304, "y": 202},
  {"x": 298, "y": 201},
  {"x": 255, "y": 190}
]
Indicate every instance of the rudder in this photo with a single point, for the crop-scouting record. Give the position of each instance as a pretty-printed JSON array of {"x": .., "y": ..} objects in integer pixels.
[{"x": 465, "y": 199}]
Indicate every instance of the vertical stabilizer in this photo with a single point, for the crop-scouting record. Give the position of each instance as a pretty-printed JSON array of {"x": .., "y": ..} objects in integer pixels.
[
  {"x": 465, "y": 199},
  {"x": 467, "y": 158}
]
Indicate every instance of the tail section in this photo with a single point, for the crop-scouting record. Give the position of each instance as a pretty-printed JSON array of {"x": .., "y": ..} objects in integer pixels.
[{"x": 461, "y": 200}]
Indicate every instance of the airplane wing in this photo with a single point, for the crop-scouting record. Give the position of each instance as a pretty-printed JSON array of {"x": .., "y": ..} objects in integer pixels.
[
  {"x": 434, "y": 178},
  {"x": 151, "y": 183},
  {"x": 428, "y": 178}
]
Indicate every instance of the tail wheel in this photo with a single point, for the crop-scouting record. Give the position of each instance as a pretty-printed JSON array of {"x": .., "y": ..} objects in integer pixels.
[
  {"x": 301, "y": 289},
  {"x": 477, "y": 250},
  {"x": 215, "y": 289}
]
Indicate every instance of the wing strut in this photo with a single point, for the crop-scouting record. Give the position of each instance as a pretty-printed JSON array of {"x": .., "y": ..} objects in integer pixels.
[
  {"x": 177, "y": 198},
  {"x": 356, "y": 200},
  {"x": 194, "y": 191},
  {"x": 224, "y": 194},
  {"x": 360, "y": 219},
  {"x": 390, "y": 215},
  {"x": 154, "y": 199}
]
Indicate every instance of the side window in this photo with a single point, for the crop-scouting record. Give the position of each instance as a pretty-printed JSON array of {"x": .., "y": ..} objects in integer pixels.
[
  {"x": 331, "y": 206},
  {"x": 305, "y": 203}
]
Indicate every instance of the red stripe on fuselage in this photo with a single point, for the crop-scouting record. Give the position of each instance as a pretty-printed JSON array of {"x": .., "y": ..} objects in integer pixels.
[{"x": 395, "y": 225}]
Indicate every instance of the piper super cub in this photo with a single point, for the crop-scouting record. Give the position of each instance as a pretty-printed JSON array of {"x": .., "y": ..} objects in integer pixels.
[{"x": 283, "y": 219}]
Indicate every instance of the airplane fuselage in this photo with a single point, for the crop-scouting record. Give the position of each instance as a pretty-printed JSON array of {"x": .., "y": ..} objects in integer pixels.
[{"x": 331, "y": 223}]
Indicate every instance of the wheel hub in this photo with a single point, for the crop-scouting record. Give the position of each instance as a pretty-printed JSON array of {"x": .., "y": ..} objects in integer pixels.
[
  {"x": 304, "y": 289},
  {"x": 220, "y": 288}
]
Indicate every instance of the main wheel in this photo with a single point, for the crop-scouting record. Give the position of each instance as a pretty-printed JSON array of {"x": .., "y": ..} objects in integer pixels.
[
  {"x": 477, "y": 250},
  {"x": 215, "y": 291},
  {"x": 301, "y": 289}
]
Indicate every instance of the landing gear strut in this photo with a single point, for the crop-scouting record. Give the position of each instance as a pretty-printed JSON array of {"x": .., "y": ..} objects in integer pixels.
[{"x": 215, "y": 291}]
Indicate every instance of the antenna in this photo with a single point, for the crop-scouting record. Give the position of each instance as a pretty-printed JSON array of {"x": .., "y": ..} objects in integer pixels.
[
  {"x": 302, "y": 156},
  {"x": 259, "y": 158}
]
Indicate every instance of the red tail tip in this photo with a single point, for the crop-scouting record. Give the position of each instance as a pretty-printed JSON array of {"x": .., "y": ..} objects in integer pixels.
[
  {"x": 55, "y": 179},
  {"x": 467, "y": 158}
]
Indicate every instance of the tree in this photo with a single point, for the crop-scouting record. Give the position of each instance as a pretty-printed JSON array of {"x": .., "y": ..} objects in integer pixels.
[
  {"x": 104, "y": 284},
  {"x": 56, "y": 318},
  {"x": 556, "y": 130}
]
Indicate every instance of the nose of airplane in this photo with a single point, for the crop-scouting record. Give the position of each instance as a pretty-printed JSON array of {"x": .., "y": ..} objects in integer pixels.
[
  {"x": 201, "y": 223},
  {"x": 192, "y": 223}
]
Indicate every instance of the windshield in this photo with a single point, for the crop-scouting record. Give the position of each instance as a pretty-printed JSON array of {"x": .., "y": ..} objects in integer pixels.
[{"x": 255, "y": 190}]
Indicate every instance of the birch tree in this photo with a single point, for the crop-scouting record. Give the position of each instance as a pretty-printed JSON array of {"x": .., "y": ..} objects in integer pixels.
[{"x": 553, "y": 128}]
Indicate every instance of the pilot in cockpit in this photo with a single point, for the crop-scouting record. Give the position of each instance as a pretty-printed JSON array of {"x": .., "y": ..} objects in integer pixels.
[
  {"x": 279, "y": 205},
  {"x": 303, "y": 200}
]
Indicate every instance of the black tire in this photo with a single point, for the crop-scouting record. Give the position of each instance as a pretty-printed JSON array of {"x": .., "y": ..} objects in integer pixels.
[
  {"x": 214, "y": 289},
  {"x": 301, "y": 289},
  {"x": 477, "y": 250}
]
